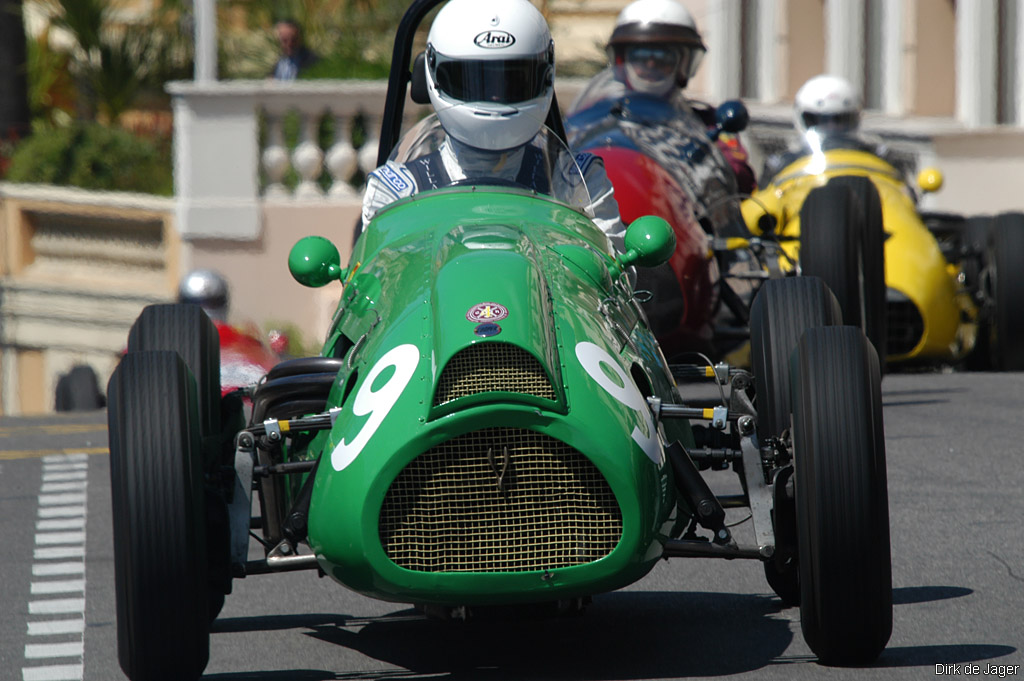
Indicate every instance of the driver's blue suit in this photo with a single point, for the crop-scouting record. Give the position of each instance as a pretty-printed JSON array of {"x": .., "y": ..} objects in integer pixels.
[{"x": 453, "y": 162}]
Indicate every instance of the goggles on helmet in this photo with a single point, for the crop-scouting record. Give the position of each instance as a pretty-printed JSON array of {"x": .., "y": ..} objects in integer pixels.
[{"x": 654, "y": 58}]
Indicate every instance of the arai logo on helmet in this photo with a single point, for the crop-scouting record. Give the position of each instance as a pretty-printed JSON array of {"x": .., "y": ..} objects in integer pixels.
[{"x": 494, "y": 40}]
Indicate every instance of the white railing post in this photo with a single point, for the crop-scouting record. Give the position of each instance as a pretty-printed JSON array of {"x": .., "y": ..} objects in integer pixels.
[
  {"x": 368, "y": 152},
  {"x": 216, "y": 161},
  {"x": 275, "y": 156},
  {"x": 341, "y": 158},
  {"x": 308, "y": 158}
]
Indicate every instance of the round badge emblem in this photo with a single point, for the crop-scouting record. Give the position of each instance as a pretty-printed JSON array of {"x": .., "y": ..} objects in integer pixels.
[
  {"x": 487, "y": 329},
  {"x": 487, "y": 312}
]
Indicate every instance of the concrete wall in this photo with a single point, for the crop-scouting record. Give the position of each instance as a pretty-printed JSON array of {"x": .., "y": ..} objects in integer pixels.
[
  {"x": 76, "y": 268},
  {"x": 262, "y": 290}
]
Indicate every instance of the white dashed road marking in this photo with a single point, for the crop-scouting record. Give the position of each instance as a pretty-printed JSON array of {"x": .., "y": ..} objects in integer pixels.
[{"x": 56, "y": 625}]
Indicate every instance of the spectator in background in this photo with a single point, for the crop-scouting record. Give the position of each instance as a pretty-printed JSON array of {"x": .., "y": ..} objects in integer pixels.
[{"x": 295, "y": 56}]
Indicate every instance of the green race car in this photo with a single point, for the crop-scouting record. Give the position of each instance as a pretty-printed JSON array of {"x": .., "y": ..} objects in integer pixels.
[{"x": 492, "y": 422}]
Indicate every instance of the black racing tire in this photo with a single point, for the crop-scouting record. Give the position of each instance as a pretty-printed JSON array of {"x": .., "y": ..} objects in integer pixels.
[
  {"x": 974, "y": 241},
  {"x": 783, "y": 309},
  {"x": 974, "y": 238},
  {"x": 834, "y": 246},
  {"x": 1006, "y": 284},
  {"x": 187, "y": 330},
  {"x": 866, "y": 195},
  {"x": 841, "y": 497},
  {"x": 79, "y": 390},
  {"x": 157, "y": 495}
]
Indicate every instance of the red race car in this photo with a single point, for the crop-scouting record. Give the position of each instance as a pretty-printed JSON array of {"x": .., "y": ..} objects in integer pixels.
[
  {"x": 663, "y": 160},
  {"x": 244, "y": 357}
]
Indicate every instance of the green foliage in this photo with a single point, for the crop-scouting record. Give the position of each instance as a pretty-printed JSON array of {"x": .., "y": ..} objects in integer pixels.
[
  {"x": 93, "y": 156},
  {"x": 341, "y": 65},
  {"x": 113, "y": 63},
  {"x": 51, "y": 90},
  {"x": 352, "y": 37}
]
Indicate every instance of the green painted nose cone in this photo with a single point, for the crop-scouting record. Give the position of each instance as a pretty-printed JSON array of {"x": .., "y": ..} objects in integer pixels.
[{"x": 314, "y": 261}]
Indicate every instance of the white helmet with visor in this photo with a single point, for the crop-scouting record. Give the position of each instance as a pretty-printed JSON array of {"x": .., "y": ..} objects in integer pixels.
[
  {"x": 490, "y": 72},
  {"x": 655, "y": 46},
  {"x": 828, "y": 105}
]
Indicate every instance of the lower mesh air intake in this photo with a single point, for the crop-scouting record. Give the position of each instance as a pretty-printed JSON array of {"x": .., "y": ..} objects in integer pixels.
[{"x": 499, "y": 500}]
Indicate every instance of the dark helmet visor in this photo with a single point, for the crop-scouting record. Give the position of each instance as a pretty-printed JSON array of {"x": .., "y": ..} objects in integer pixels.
[
  {"x": 507, "y": 81},
  {"x": 838, "y": 122}
]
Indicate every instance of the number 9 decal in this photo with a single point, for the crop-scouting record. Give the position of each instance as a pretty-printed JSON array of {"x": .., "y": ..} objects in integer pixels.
[
  {"x": 592, "y": 357},
  {"x": 377, "y": 403}
]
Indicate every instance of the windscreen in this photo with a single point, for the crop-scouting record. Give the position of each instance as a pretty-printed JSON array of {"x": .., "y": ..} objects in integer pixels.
[{"x": 428, "y": 159}]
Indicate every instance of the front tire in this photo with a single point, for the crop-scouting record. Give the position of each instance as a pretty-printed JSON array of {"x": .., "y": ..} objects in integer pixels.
[
  {"x": 841, "y": 497},
  {"x": 835, "y": 245},
  {"x": 156, "y": 474}
]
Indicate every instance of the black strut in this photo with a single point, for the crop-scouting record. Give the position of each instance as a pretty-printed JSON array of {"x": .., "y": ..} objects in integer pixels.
[
  {"x": 296, "y": 524},
  {"x": 694, "y": 489}
]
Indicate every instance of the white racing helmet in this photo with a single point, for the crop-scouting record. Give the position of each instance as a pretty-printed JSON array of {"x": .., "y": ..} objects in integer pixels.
[
  {"x": 655, "y": 46},
  {"x": 490, "y": 72},
  {"x": 208, "y": 289},
  {"x": 827, "y": 105}
]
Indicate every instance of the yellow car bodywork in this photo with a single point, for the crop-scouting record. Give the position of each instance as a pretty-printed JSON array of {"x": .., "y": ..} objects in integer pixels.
[{"x": 916, "y": 270}]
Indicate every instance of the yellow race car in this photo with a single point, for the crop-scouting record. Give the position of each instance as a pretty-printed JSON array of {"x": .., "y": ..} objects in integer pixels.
[{"x": 924, "y": 287}]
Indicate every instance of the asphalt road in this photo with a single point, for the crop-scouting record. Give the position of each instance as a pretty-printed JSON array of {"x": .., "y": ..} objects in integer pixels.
[{"x": 956, "y": 474}]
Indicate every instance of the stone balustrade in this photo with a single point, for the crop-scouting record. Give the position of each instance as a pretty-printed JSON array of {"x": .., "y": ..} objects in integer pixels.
[{"x": 232, "y": 150}]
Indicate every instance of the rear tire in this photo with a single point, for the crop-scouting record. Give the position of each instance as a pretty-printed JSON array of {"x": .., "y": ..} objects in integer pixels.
[
  {"x": 1006, "y": 282},
  {"x": 160, "y": 556},
  {"x": 974, "y": 240},
  {"x": 782, "y": 311},
  {"x": 841, "y": 497},
  {"x": 187, "y": 330}
]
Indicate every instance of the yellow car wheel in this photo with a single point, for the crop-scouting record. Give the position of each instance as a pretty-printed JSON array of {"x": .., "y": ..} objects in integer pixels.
[
  {"x": 834, "y": 245},
  {"x": 1006, "y": 280},
  {"x": 865, "y": 195}
]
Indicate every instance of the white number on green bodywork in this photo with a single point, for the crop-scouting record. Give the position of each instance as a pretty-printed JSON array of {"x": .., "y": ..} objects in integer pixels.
[
  {"x": 377, "y": 403},
  {"x": 594, "y": 360}
]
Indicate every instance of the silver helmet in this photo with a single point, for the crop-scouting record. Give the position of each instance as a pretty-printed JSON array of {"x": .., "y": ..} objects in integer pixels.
[{"x": 208, "y": 289}]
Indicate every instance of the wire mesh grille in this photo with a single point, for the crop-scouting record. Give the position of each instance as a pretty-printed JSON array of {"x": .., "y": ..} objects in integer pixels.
[
  {"x": 486, "y": 367},
  {"x": 499, "y": 500},
  {"x": 905, "y": 326}
]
